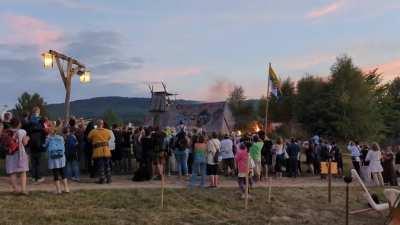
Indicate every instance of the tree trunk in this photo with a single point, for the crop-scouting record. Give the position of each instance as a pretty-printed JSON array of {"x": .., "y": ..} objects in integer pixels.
[
  {"x": 67, "y": 85},
  {"x": 67, "y": 99}
]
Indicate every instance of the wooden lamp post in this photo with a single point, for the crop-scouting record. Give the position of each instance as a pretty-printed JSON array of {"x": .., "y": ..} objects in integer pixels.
[{"x": 73, "y": 67}]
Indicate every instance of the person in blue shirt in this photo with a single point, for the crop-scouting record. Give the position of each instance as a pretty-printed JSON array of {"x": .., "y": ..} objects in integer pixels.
[
  {"x": 293, "y": 151},
  {"x": 55, "y": 147}
]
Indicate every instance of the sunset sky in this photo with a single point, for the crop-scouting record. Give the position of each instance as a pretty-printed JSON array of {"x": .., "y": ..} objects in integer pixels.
[{"x": 201, "y": 49}]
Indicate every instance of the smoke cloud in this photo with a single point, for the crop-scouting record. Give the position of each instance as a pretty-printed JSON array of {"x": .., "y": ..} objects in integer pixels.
[{"x": 220, "y": 90}]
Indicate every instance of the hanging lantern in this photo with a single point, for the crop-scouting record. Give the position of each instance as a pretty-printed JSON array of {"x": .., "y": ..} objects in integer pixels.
[
  {"x": 48, "y": 60},
  {"x": 85, "y": 77}
]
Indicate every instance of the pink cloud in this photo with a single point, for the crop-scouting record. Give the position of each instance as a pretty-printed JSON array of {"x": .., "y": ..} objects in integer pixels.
[
  {"x": 308, "y": 61},
  {"x": 389, "y": 70},
  {"x": 325, "y": 10},
  {"x": 30, "y": 30}
]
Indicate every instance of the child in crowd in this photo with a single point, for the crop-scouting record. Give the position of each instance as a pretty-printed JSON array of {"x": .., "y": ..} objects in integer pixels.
[
  {"x": 71, "y": 153},
  {"x": 244, "y": 168},
  {"x": 56, "y": 158}
]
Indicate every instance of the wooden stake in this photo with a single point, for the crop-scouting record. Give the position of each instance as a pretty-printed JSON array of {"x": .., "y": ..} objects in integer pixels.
[
  {"x": 329, "y": 181},
  {"x": 162, "y": 190},
  {"x": 266, "y": 181},
  {"x": 347, "y": 203},
  {"x": 269, "y": 188}
]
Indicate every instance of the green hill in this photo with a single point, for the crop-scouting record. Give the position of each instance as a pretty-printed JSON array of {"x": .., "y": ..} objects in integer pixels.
[{"x": 128, "y": 109}]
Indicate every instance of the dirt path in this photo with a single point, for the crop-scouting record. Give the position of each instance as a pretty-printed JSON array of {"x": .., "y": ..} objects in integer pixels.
[{"x": 124, "y": 182}]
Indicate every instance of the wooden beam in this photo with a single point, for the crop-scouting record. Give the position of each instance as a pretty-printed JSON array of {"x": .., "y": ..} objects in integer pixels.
[{"x": 66, "y": 58}]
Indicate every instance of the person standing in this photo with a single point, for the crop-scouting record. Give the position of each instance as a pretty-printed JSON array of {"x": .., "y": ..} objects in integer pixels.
[
  {"x": 71, "y": 154},
  {"x": 255, "y": 153},
  {"x": 228, "y": 159},
  {"x": 293, "y": 151},
  {"x": 55, "y": 146},
  {"x": 14, "y": 141},
  {"x": 337, "y": 157},
  {"x": 213, "y": 148},
  {"x": 280, "y": 151},
  {"x": 375, "y": 167},
  {"x": 199, "y": 161},
  {"x": 181, "y": 153},
  {"x": 316, "y": 155},
  {"x": 159, "y": 153},
  {"x": 397, "y": 160},
  {"x": 364, "y": 165},
  {"x": 308, "y": 149},
  {"x": 37, "y": 137},
  {"x": 389, "y": 174},
  {"x": 355, "y": 155},
  {"x": 244, "y": 168},
  {"x": 146, "y": 165},
  {"x": 88, "y": 150},
  {"x": 116, "y": 155},
  {"x": 266, "y": 154},
  {"x": 324, "y": 154},
  {"x": 80, "y": 136},
  {"x": 100, "y": 138}
]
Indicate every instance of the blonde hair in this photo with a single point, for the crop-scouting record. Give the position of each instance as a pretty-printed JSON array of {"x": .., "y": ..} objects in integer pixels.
[{"x": 375, "y": 147}]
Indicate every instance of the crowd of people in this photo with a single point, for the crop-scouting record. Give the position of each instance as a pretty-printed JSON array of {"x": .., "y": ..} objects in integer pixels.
[
  {"x": 375, "y": 166},
  {"x": 152, "y": 153}
]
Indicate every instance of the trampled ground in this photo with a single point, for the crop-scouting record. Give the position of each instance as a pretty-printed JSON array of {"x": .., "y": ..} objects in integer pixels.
[{"x": 290, "y": 205}]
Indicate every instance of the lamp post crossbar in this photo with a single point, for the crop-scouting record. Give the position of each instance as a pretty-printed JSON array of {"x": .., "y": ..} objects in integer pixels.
[{"x": 73, "y": 67}]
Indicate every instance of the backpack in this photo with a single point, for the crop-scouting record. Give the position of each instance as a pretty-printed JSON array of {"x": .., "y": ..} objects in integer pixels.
[
  {"x": 56, "y": 148},
  {"x": 181, "y": 144},
  {"x": 216, "y": 157},
  {"x": 9, "y": 142}
]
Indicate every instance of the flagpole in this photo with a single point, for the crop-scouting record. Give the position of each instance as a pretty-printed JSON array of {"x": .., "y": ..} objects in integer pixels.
[
  {"x": 266, "y": 106},
  {"x": 268, "y": 178}
]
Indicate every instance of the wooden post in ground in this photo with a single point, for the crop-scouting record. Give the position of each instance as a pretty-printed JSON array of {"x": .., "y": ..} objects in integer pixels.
[
  {"x": 329, "y": 181},
  {"x": 162, "y": 187},
  {"x": 269, "y": 188},
  {"x": 347, "y": 204},
  {"x": 162, "y": 192},
  {"x": 268, "y": 182},
  {"x": 348, "y": 180}
]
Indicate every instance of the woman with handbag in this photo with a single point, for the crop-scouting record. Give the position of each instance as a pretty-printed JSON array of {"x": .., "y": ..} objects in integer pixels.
[
  {"x": 213, "y": 148},
  {"x": 279, "y": 149},
  {"x": 14, "y": 140}
]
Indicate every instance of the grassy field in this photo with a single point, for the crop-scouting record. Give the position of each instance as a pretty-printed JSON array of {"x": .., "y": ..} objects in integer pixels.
[{"x": 183, "y": 206}]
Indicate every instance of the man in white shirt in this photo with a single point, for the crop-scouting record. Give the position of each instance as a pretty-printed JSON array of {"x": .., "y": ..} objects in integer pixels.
[
  {"x": 227, "y": 156},
  {"x": 355, "y": 155}
]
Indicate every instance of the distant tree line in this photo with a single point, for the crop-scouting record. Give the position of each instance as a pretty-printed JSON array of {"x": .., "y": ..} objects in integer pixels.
[
  {"x": 348, "y": 104},
  {"x": 26, "y": 102}
]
